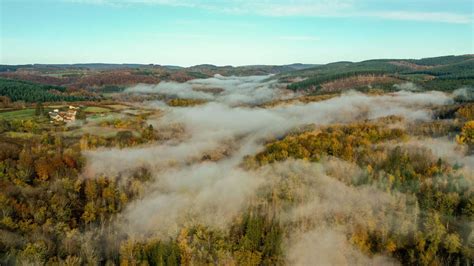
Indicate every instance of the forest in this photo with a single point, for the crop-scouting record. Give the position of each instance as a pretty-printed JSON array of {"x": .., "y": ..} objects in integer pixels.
[
  {"x": 33, "y": 92},
  {"x": 244, "y": 170},
  {"x": 441, "y": 73}
]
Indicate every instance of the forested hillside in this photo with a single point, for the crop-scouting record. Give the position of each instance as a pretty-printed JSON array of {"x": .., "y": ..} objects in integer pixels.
[
  {"x": 445, "y": 73},
  {"x": 34, "y": 92},
  {"x": 439, "y": 73},
  {"x": 98, "y": 76}
]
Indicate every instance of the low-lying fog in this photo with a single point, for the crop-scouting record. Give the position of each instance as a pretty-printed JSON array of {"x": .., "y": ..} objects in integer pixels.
[{"x": 188, "y": 190}]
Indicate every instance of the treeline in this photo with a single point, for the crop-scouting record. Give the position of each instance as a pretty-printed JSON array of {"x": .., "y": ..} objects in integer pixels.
[{"x": 33, "y": 92}]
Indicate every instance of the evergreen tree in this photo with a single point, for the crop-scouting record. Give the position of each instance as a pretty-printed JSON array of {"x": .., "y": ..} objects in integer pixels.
[{"x": 38, "y": 109}]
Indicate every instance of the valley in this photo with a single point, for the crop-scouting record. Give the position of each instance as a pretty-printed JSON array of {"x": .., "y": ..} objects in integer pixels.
[{"x": 365, "y": 163}]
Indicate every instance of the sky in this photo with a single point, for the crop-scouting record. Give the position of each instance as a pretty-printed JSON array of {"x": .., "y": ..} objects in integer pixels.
[{"x": 233, "y": 32}]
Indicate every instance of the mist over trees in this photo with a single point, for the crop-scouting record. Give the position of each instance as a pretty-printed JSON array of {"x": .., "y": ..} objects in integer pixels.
[{"x": 234, "y": 170}]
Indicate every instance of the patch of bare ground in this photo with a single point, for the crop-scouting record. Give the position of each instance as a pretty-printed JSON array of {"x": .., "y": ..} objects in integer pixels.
[
  {"x": 301, "y": 99},
  {"x": 356, "y": 81},
  {"x": 410, "y": 65},
  {"x": 214, "y": 91}
]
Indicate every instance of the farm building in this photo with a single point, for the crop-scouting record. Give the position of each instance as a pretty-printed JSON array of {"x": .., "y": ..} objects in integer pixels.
[{"x": 64, "y": 116}]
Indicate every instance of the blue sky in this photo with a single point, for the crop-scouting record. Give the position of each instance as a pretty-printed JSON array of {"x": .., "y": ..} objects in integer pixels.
[{"x": 234, "y": 32}]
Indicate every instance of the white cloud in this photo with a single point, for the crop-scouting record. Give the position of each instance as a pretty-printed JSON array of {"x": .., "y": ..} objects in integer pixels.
[
  {"x": 318, "y": 8},
  {"x": 423, "y": 16},
  {"x": 300, "y": 8}
]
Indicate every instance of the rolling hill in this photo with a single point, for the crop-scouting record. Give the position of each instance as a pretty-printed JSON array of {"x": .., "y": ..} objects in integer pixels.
[{"x": 444, "y": 73}]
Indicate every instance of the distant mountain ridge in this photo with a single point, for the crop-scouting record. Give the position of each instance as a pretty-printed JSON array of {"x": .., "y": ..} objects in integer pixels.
[
  {"x": 295, "y": 66},
  {"x": 439, "y": 73},
  {"x": 109, "y": 66}
]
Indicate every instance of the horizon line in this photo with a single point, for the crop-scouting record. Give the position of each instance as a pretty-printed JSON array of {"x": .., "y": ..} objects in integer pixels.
[{"x": 230, "y": 65}]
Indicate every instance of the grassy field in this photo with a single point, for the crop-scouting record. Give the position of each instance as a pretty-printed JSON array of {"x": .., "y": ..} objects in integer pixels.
[
  {"x": 106, "y": 132},
  {"x": 18, "y": 114},
  {"x": 21, "y": 135},
  {"x": 117, "y": 106},
  {"x": 99, "y": 117},
  {"x": 96, "y": 109}
]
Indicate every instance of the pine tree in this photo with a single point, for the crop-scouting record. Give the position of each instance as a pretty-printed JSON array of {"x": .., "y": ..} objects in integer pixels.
[{"x": 38, "y": 109}]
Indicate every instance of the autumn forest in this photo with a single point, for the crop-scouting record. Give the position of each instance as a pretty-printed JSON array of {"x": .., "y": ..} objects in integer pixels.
[{"x": 367, "y": 163}]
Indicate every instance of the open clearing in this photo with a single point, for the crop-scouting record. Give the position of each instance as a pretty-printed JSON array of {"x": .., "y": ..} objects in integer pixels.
[
  {"x": 96, "y": 109},
  {"x": 18, "y": 114}
]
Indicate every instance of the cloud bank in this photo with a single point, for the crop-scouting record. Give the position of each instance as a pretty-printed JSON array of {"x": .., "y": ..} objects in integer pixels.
[{"x": 229, "y": 90}]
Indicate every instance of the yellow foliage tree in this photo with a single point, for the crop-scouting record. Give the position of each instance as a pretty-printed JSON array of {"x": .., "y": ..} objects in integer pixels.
[{"x": 467, "y": 134}]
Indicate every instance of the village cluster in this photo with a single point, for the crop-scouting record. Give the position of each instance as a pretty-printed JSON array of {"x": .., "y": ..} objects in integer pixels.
[{"x": 63, "y": 116}]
